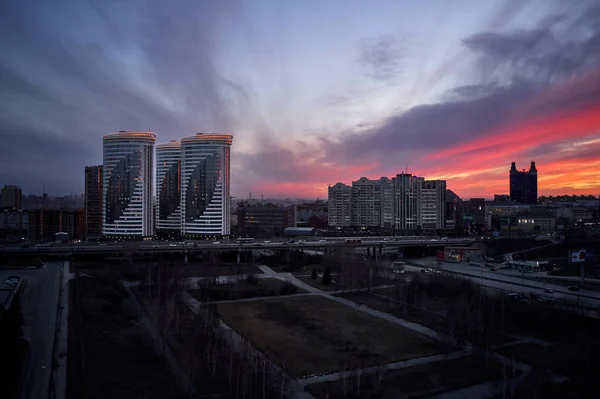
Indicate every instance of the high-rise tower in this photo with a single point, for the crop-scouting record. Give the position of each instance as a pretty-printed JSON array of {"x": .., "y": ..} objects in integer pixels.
[
  {"x": 168, "y": 187},
  {"x": 205, "y": 179},
  {"x": 93, "y": 201},
  {"x": 127, "y": 189},
  {"x": 523, "y": 184}
]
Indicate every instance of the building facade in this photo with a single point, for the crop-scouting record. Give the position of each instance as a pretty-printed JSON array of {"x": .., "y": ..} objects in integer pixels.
[
  {"x": 11, "y": 197},
  {"x": 168, "y": 187},
  {"x": 14, "y": 220},
  {"x": 93, "y": 201},
  {"x": 366, "y": 203},
  {"x": 127, "y": 184},
  {"x": 433, "y": 204},
  {"x": 46, "y": 223},
  {"x": 205, "y": 185},
  {"x": 339, "y": 206},
  {"x": 266, "y": 220},
  {"x": 523, "y": 184},
  {"x": 407, "y": 201}
]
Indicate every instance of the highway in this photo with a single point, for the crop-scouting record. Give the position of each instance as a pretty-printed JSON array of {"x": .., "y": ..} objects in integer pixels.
[
  {"x": 190, "y": 246},
  {"x": 509, "y": 282},
  {"x": 39, "y": 302}
]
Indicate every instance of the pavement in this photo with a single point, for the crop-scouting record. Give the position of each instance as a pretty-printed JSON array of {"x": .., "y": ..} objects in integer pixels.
[
  {"x": 509, "y": 282},
  {"x": 39, "y": 302}
]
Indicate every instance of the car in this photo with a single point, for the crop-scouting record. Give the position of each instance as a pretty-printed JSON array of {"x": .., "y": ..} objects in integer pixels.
[
  {"x": 216, "y": 242},
  {"x": 172, "y": 245},
  {"x": 573, "y": 288},
  {"x": 267, "y": 241},
  {"x": 258, "y": 244},
  {"x": 155, "y": 246},
  {"x": 424, "y": 271},
  {"x": 493, "y": 269},
  {"x": 101, "y": 245},
  {"x": 322, "y": 240},
  {"x": 549, "y": 290}
]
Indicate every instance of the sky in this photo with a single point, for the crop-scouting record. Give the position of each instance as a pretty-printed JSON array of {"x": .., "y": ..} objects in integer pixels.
[{"x": 315, "y": 92}]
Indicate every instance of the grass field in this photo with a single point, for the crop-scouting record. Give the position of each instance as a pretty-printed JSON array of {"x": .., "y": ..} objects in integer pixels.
[
  {"x": 313, "y": 334},
  {"x": 423, "y": 381}
]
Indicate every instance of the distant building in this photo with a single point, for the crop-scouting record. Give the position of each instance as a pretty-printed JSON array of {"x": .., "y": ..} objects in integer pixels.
[
  {"x": 11, "y": 197},
  {"x": 14, "y": 220},
  {"x": 371, "y": 202},
  {"x": 263, "y": 220},
  {"x": 501, "y": 197},
  {"x": 340, "y": 205},
  {"x": 433, "y": 204},
  {"x": 93, "y": 201},
  {"x": 524, "y": 185},
  {"x": 407, "y": 204},
  {"x": 45, "y": 223}
]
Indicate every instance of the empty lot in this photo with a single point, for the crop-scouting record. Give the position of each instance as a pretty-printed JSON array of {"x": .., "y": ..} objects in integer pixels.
[{"x": 309, "y": 335}]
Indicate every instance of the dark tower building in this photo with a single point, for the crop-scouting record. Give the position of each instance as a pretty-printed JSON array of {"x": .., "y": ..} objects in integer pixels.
[
  {"x": 93, "y": 201},
  {"x": 523, "y": 185}
]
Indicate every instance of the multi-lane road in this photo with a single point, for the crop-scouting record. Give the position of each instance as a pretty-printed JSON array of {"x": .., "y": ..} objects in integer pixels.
[
  {"x": 161, "y": 246},
  {"x": 511, "y": 283},
  {"x": 39, "y": 303}
]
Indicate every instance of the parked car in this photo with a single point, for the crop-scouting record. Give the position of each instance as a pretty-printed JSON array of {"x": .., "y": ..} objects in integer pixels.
[
  {"x": 573, "y": 288},
  {"x": 549, "y": 290}
]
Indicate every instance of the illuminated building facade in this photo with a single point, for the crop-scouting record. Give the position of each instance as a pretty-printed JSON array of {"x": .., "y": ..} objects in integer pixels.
[
  {"x": 205, "y": 180},
  {"x": 168, "y": 187},
  {"x": 127, "y": 184}
]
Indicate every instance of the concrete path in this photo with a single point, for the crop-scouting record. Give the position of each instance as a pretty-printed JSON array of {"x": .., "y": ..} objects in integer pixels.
[{"x": 390, "y": 366}]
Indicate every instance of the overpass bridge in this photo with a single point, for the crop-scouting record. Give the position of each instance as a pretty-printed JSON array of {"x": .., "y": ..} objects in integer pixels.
[{"x": 376, "y": 247}]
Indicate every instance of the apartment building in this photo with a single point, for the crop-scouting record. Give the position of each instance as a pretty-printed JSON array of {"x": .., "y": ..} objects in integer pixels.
[{"x": 340, "y": 205}]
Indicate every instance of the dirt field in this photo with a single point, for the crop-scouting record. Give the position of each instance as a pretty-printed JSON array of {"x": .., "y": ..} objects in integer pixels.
[
  {"x": 311, "y": 335},
  {"x": 110, "y": 354},
  {"x": 422, "y": 381}
]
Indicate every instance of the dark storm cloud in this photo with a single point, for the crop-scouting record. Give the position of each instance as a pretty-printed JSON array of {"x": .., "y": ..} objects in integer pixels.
[
  {"x": 517, "y": 70},
  {"x": 80, "y": 69},
  {"x": 380, "y": 58}
]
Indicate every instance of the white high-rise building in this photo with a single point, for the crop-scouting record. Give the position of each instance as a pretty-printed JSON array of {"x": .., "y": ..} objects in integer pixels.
[
  {"x": 205, "y": 180},
  {"x": 339, "y": 205},
  {"x": 433, "y": 204},
  {"x": 407, "y": 201},
  {"x": 168, "y": 187},
  {"x": 371, "y": 202},
  {"x": 128, "y": 162}
]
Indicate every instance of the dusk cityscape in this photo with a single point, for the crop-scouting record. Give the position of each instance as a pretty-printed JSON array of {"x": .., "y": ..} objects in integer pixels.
[{"x": 299, "y": 199}]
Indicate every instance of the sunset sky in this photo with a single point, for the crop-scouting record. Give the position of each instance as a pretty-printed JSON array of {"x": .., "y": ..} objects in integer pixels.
[{"x": 314, "y": 91}]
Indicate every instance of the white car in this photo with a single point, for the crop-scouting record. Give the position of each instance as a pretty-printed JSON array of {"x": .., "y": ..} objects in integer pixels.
[
  {"x": 267, "y": 242},
  {"x": 172, "y": 245},
  {"x": 322, "y": 240},
  {"x": 216, "y": 242}
]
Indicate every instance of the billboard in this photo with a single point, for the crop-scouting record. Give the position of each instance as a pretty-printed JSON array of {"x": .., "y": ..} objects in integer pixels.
[{"x": 579, "y": 255}]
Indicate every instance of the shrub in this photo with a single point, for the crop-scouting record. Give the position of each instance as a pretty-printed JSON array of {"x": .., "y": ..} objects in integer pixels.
[{"x": 314, "y": 274}]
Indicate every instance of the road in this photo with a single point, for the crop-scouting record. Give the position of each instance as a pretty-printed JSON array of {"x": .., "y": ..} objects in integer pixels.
[
  {"x": 39, "y": 303},
  {"x": 161, "y": 246},
  {"x": 510, "y": 282}
]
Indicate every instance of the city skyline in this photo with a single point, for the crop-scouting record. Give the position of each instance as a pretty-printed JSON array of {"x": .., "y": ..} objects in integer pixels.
[{"x": 453, "y": 91}]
